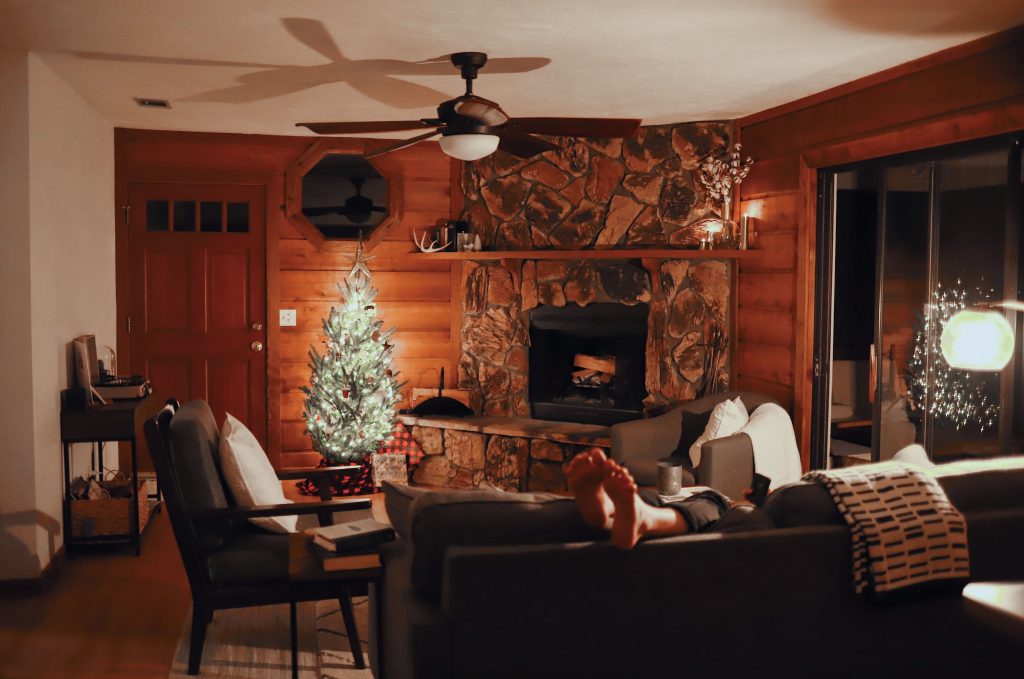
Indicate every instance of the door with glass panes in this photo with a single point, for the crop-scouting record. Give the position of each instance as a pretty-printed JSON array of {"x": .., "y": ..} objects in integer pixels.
[{"x": 197, "y": 295}]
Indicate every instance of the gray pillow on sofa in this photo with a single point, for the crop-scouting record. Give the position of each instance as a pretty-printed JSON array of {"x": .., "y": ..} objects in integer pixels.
[{"x": 802, "y": 504}]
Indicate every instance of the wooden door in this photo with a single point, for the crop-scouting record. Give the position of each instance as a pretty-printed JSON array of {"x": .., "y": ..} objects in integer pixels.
[{"x": 197, "y": 296}]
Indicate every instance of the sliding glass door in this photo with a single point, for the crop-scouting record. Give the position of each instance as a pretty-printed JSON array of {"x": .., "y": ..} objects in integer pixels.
[{"x": 903, "y": 244}]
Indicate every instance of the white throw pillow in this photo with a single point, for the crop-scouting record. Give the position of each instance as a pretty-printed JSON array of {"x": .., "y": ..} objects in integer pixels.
[
  {"x": 250, "y": 476},
  {"x": 726, "y": 419}
]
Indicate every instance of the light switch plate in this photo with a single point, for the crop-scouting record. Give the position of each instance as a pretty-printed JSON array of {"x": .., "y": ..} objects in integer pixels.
[{"x": 287, "y": 318}]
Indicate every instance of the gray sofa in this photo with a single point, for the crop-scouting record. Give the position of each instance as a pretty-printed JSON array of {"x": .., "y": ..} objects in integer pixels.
[
  {"x": 726, "y": 464},
  {"x": 490, "y": 584}
]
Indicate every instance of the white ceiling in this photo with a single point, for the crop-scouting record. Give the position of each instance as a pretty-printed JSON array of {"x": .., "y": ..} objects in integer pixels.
[{"x": 242, "y": 65}]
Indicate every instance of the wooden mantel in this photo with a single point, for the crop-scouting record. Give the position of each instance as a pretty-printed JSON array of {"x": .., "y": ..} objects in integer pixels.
[{"x": 638, "y": 253}]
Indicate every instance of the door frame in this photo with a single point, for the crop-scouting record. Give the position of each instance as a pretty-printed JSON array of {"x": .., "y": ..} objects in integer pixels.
[
  {"x": 824, "y": 288},
  {"x": 820, "y": 327},
  {"x": 272, "y": 186}
]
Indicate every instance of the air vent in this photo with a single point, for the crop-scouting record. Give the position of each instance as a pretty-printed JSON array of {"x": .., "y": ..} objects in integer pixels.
[{"x": 152, "y": 103}]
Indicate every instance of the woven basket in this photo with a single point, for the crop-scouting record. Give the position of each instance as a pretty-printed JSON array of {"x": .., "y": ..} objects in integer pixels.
[{"x": 102, "y": 518}]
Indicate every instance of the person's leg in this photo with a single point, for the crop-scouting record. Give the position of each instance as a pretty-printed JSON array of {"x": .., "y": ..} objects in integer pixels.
[
  {"x": 584, "y": 474},
  {"x": 632, "y": 518}
]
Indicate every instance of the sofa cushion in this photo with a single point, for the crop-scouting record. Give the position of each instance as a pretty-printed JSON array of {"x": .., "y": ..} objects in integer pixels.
[
  {"x": 249, "y": 475},
  {"x": 727, "y": 418},
  {"x": 194, "y": 440},
  {"x": 398, "y": 499},
  {"x": 694, "y": 424},
  {"x": 982, "y": 485},
  {"x": 972, "y": 486},
  {"x": 251, "y": 556},
  {"x": 441, "y": 519},
  {"x": 802, "y": 504}
]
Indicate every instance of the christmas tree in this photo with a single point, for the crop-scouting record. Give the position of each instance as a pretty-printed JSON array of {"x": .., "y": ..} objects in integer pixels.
[{"x": 350, "y": 403}]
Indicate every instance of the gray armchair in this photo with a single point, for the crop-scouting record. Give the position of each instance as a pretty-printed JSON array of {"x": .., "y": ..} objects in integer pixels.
[
  {"x": 726, "y": 464},
  {"x": 230, "y": 563}
]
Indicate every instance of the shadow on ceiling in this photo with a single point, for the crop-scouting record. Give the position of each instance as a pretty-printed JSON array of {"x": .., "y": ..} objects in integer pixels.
[{"x": 374, "y": 78}]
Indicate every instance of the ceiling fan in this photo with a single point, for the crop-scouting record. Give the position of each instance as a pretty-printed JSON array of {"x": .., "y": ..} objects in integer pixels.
[
  {"x": 472, "y": 127},
  {"x": 357, "y": 209}
]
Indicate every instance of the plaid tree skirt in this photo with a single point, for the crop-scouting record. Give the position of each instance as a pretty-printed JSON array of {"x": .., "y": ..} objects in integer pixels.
[{"x": 361, "y": 483}]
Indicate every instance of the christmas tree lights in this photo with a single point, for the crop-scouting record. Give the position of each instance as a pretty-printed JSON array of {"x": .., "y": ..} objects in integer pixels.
[{"x": 350, "y": 403}]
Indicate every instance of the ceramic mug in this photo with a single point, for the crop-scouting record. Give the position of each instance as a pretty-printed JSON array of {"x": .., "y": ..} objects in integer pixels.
[{"x": 670, "y": 476}]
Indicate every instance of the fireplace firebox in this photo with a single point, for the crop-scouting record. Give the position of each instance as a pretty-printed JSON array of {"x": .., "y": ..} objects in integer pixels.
[{"x": 588, "y": 364}]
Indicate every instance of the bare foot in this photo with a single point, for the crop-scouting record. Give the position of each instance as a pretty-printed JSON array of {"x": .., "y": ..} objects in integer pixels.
[
  {"x": 627, "y": 525},
  {"x": 584, "y": 474}
]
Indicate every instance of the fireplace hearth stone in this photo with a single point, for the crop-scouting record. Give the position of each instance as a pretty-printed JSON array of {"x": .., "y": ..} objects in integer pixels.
[{"x": 518, "y": 453}]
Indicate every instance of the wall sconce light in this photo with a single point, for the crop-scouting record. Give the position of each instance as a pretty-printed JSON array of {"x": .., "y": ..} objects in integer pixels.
[
  {"x": 979, "y": 338},
  {"x": 746, "y": 228}
]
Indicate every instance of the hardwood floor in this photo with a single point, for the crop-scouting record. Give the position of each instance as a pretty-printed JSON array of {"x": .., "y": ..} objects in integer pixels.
[{"x": 107, "y": 614}]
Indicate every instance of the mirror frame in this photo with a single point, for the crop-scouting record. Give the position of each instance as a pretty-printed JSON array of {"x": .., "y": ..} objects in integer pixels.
[{"x": 388, "y": 168}]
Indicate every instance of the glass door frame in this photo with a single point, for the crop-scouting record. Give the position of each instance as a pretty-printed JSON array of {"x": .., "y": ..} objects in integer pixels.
[{"x": 824, "y": 276}]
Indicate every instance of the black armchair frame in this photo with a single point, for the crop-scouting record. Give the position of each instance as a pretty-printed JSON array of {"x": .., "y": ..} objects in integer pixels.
[{"x": 207, "y": 597}]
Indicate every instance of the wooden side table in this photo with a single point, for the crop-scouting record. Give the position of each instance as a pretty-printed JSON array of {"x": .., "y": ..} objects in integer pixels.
[
  {"x": 115, "y": 421},
  {"x": 310, "y": 582}
]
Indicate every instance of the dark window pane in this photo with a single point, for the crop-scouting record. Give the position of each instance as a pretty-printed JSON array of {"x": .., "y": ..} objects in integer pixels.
[
  {"x": 184, "y": 215},
  {"x": 210, "y": 216},
  {"x": 238, "y": 217},
  {"x": 157, "y": 215}
]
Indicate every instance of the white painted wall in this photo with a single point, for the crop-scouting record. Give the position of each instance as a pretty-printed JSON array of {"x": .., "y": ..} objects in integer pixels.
[
  {"x": 71, "y": 204},
  {"x": 18, "y": 538},
  {"x": 57, "y": 273}
]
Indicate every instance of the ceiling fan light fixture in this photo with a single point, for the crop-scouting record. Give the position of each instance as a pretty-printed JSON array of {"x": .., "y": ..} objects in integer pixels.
[{"x": 469, "y": 146}]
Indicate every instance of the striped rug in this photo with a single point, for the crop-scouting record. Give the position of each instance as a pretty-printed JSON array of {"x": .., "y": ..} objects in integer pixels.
[{"x": 247, "y": 643}]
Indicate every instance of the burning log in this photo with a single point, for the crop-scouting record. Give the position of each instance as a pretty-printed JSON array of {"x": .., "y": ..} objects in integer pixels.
[
  {"x": 590, "y": 378},
  {"x": 604, "y": 364},
  {"x": 596, "y": 370}
]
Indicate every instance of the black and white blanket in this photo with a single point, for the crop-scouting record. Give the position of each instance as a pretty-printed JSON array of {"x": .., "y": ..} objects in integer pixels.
[{"x": 904, "y": 529}]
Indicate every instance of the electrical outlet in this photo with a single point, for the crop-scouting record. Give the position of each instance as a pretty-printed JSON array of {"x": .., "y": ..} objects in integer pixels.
[{"x": 287, "y": 318}]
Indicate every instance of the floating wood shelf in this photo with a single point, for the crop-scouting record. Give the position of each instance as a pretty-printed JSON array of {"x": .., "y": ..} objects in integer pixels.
[{"x": 664, "y": 253}]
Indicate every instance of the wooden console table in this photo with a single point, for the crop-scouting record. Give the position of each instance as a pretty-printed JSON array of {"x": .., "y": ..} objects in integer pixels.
[{"x": 115, "y": 421}]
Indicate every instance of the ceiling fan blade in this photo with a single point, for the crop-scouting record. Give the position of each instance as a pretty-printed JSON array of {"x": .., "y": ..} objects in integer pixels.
[
  {"x": 523, "y": 145},
  {"x": 442, "y": 65},
  {"x": 478, "y": 108},
  {"x": 321, "y": 211},
  {"x": 401, "y": 144},
  {"x": 367, "y": 126},
  {"x": 576, "y": 127}
]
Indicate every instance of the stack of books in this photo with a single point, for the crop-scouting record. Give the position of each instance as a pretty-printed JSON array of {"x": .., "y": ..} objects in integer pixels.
[{"x": 351, "y": 546}]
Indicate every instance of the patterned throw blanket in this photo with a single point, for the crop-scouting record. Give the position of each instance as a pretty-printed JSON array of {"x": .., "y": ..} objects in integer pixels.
[{"x": 904, "y": 530}]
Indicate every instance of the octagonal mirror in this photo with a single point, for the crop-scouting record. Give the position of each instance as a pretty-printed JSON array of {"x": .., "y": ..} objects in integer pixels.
[
  {"x": 343, "y": 196},
  {"x": 334, "y": 195}
]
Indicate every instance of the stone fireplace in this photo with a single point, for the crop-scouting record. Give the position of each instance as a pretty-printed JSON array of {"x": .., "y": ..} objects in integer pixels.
[
  {"x": 587, "y": 364},
  {"x": 526, "y": 320},
  {"x": 687, "y": 305}
]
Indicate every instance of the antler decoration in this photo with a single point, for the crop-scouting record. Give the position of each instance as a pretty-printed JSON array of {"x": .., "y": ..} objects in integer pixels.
[{"x": 421, "y": 243}]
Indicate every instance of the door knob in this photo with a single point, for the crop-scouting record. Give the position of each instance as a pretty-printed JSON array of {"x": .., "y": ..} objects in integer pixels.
[
  {"x": 257, "y": 326},
  {"x": 256, "y": 345}
]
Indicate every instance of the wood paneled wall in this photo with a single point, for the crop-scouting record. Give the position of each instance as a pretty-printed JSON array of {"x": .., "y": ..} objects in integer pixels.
[
  {"x": 967, "y": 92},
  {"x": 414, "y": 296}
]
